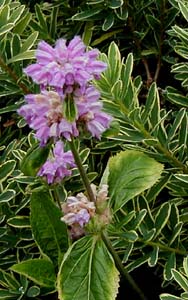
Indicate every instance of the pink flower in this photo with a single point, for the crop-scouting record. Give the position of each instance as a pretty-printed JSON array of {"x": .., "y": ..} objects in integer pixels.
[
  {"x": 65, "y": 65},
  {"x": 44, "y": 113},
  {"x": 58, "y": 166}
]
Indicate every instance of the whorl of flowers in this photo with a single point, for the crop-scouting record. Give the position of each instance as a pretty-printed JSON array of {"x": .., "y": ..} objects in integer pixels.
[{"x": 68, "y": 103}]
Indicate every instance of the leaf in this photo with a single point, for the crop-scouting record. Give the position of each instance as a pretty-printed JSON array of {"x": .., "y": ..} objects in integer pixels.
[
  {"x": 169, "y": 297},
  {"x": 88, "y": 272},
  {"x": 6, "y": 169},
  {"x": 19, "y": 222},
  {"x": 6, "y": 28},
  {"x": 41, "y": 271},
  {"x": 7, "y": 195},
  {"x": 108, "y": 22},
  {"x": 84, "y": 15},
  {"x": 29, "y": 54},
  {"x": 33, "y": 291},
  {"x": 153, "y": 257},
  {"x": 28, "y": 44},
  {"x": 169, "y": 265},
  {"x": 183, "y": 9},
  {"x": 162, "y": 217},
  {"x": 49, "y": 231},
  {"x": 131, "y": 172},
  {"x": 115, "y": 3},
  {"x": 180, "y": 279}
]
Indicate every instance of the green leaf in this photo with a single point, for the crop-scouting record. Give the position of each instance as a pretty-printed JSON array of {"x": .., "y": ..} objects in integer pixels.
[
  {"x": 162, "y": 217},
  {"x": 182, "y": 177},
  {"x": 6, "y": 169},
  {"x": 84, "y": 15},
  {"x": 28, "y": 44},
  {"x": 108, "y": 22},
  {"x": 169, "y": 265},
  {"x": 88, "y": 272},
  {"x": 49, "y": 231},
  {"x": 41, "y": 271},
  {"x": 180, "y": 279},
  {"x": 33, "y": 291},
  {"x": 19, "y": 222},
  {"x": 153, "y": 257},
  {"x": 185, "y": 265},
  {"x": 131, "y": 172},
  {"x": 184, "y": 9},
  {"x": 29, "y": 54},
  {"x": 115, "y": 3},
  {"x": 7, "y": 195},
  {"x": 169, "y": 297},
  {"x": 22, "y": 23},
  {"x": 6, "y": 28},
  {"x": 4, "y": 294}
]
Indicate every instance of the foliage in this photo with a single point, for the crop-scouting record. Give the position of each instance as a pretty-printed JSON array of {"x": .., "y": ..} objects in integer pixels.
[{"x": 149, "y": 132}]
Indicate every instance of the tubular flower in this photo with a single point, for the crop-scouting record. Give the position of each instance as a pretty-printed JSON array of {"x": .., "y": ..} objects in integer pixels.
[
  {"x": 65, "y": 65},
  {"x": 43, "y": 113},
  {"x": 59, "y": 165}
]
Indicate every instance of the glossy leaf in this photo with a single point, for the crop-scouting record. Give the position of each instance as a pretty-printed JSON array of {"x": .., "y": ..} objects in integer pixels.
[
  {"x": 88, "y": 272},
  {"x": 131, "y": 172}
]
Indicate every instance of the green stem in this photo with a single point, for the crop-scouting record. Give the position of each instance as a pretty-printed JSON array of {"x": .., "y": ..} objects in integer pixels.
[
  {"x": 83, "y": 174},
  {"x": 158, "y": 146},
  {"x": 164, "y": 247},
  {"x": 56, "y": 197},
  {"x": 121, "y": 268},
  {"x": 12, "y": 74}
]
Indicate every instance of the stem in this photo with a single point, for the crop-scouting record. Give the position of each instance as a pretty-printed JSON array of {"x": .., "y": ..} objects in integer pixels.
[
  {"x": 121, "y": 268},
  {"x": 12, "y": 74},
  {"x": 57, "y": 198},
  {"x": 83, "y": 174}
]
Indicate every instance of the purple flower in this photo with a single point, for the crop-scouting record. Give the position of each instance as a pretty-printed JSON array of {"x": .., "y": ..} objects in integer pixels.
[
  {"x": 59, "y": 165},
  {"x": 90, "y": 111},
  {"x": 78, "y": 210},
  {"x": 65, "y": 65},
  {"x": 43, "y": 113}
]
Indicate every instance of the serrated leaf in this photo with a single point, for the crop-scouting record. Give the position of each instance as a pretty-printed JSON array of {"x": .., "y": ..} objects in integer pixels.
[
  {"x": 131, "y": 172},
  {"x": 49, "y": 231},
  {"x": 41, "y": 271},
  {"x": 88, "y": 272}
]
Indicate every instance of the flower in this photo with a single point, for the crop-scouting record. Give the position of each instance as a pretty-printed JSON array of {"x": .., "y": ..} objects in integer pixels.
[
  {"x": 90, "y": 111},
  {"x": 59, "y": 165},
  {"x": 43, "y": 113},
  {"x": 65, "y": 65},
  {"x": 78, "y": 210}
]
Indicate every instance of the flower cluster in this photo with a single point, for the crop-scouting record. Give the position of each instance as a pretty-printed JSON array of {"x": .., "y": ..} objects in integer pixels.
[
  {"x": 78, "y": 210},
  {"x": 58, "y": 166},
  {"x": 68, "y": 103}
]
